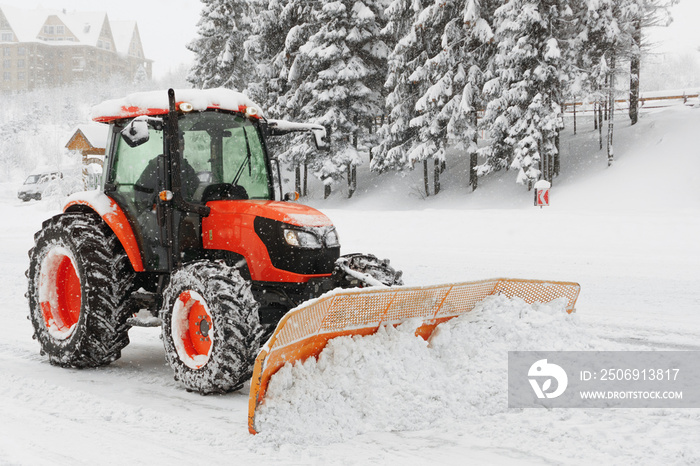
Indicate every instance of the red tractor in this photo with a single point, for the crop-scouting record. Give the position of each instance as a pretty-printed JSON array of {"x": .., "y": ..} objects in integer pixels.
[{"x": 185, "y": 234}]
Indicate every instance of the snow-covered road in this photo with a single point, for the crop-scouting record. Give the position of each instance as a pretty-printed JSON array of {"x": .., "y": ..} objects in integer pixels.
[
  {"x": 638, "y": 265},
  {"x": 133, "y": 411}
]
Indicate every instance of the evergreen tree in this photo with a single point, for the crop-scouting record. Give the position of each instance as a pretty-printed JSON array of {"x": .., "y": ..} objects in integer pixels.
[
  {"x": 140, "y": 76},
  {"x": 280, "y": 27},
  {"x": 436, "y": 105},
  {"x": 466, "y": 46},
  {"x": 336, "y": 73},
  {"x": 435, "y": 78},
  {"x": 397, "y": 137},
  {"x": 260, "y": 46},
  {"x": 523, "y": 113},
  {"x": 592, "y": 48},
  {"x": 219, "y": 59},
  {"x": 626, "y": 14}
]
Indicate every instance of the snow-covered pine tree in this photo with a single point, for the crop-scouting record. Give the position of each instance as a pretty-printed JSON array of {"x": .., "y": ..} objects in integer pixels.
[
  {"x": 625, "y": 13},
  {"x": 260, "y": 46},
  {"x": 272, "y": 46},
  {"x": 523, "y": 113},
  {"x": 497, "y": 154},
  {"x": 446, "y": 112},
  {"x": 466, "y": 44},
  {"x": 440, "y": 73},
  {"x": 624, "y": 35},
  {"x": 219, "y": 58},
  {"x": 338, "y": 73},
  {"x": 279, "y": 28},
  {"x": 592, "y": 45},
  {"x": 140, "y": 76},
  {"x": 607, "y": 36},
  {"x": 397, "y": 137}
]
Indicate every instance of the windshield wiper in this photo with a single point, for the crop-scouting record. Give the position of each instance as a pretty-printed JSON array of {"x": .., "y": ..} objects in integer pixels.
[{"x": 247, "y": 160}]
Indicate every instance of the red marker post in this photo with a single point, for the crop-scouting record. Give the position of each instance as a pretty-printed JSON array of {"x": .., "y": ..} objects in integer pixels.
[{"x": 542, "y": 193}]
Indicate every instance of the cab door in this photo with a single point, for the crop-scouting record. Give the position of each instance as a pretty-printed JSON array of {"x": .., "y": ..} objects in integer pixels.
[{"x": 134, "y": 180}]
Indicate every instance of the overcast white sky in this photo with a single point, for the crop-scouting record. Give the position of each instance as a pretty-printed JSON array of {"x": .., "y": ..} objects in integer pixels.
[
  {"x": 166, "y": 26},
  {"x": 683, "y": 35}
]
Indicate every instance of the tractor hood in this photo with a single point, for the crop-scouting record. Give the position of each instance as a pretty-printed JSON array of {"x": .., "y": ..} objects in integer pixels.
[
  {"x": 286, "y": 212},
  {"x": 263, "y": 232}
]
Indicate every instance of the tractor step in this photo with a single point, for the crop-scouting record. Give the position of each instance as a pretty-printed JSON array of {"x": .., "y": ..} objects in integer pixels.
[
  {"x": 145, "y": 299},
  {"x": 144, "y": 319}
]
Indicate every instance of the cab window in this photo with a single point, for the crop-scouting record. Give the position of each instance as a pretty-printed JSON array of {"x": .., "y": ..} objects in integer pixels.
[{"x": 224, "y": 148}]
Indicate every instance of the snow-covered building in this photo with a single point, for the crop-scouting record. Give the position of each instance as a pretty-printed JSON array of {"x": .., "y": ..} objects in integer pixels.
[
  {"x": 90, "y": 140},
  {"x": 44, "y": 47}
]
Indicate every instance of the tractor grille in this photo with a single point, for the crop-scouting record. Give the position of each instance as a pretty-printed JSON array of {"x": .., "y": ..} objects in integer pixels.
[{"x": 294, "y": 259}]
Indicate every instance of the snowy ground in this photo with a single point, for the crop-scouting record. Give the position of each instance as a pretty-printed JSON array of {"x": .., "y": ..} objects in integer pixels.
[{"x": 628, "y": 234}]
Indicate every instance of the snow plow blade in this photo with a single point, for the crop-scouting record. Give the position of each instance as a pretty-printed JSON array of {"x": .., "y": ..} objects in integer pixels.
[{"x": 304, "y": 331}]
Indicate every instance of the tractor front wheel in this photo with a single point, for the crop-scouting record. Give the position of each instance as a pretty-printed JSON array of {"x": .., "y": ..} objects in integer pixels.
[{"x": 211, "y": 329}]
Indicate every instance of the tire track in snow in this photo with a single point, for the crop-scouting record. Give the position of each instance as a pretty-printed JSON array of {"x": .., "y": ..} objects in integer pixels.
[{"x": 53, "y": 421}]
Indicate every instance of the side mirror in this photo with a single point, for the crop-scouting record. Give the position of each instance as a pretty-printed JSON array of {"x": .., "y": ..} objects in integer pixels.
[
  {"x": 321, "y": 138},
  {"x": 136, "y": 132},
  {"x": 280, "y": 127}
]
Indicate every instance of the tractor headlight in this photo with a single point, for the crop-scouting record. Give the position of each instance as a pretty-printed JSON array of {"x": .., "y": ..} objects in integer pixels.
[
  {"x": 302, "y": 239},
  {"x": 331, "y": 239}
]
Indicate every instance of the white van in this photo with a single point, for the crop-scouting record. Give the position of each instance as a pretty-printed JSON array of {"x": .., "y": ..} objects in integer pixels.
[{"x": 35, "y": 184}]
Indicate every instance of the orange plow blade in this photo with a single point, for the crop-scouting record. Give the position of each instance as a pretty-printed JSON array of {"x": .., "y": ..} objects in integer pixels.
[{"x": 304, "y": 331}]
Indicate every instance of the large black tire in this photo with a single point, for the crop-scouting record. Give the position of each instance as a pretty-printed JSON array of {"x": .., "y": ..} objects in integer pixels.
[
  {"x": 211, "y": 328},
  {"x": 80, "y": 280},
  {"x": 353, "y": 270}
]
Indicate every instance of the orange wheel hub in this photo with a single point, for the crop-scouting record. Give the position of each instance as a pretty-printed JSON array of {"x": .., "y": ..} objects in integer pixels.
[
  {"x": 60, "y": 295},
  {"x": 193, "y": 329}
]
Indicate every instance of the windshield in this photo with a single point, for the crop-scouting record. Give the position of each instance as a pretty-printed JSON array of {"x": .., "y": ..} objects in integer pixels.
[
  {"x": 32, "y": 179},
  {"x": 225, "y": 148}
]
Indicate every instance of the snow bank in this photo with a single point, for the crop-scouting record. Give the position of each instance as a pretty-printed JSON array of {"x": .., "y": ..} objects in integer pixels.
[{"x": 395, "y": 381}]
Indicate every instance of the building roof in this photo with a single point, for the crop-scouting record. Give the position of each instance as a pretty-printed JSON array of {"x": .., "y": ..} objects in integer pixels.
[
  {"x": 96, "y": 134},
  {"x": 86, "y": 26},
  {"x": 24, "y": 23},
  {"x": 82, "y": 28},
  {"x": 123, "y": 33}
]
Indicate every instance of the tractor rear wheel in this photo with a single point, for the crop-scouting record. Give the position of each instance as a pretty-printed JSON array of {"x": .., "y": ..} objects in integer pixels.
[
  {"x": 211, "y": 329},
  {"x": 79, "y": 283}
]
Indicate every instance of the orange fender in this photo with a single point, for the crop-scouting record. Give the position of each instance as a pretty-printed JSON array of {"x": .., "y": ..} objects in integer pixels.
[{"x": 113, "y": 216}]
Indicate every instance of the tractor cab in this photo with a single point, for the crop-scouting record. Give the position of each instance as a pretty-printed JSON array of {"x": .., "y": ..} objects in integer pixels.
[
  {"x": 219, "y": 155},
  {"x": 169, "y": 159}
]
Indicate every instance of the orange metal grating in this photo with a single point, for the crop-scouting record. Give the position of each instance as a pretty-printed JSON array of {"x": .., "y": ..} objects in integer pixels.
[{"x": 303, "y": 332}]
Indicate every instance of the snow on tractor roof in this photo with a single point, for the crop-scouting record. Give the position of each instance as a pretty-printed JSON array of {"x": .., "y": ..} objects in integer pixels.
[{"x": 156, "y": 103}]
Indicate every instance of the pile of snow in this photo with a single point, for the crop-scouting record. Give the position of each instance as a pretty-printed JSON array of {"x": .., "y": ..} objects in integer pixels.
[{"x": 395, "y": 381}]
